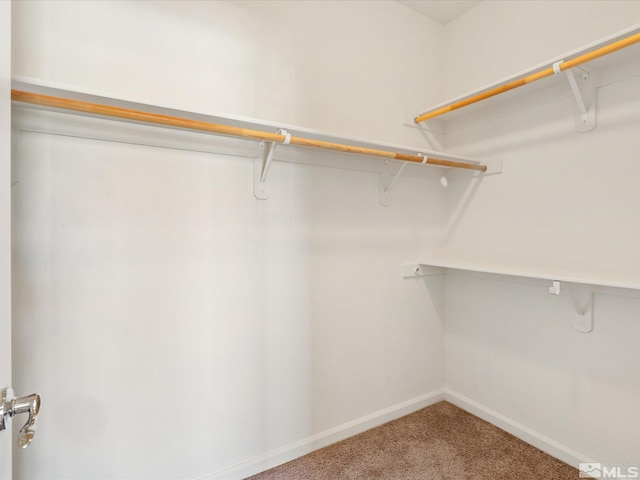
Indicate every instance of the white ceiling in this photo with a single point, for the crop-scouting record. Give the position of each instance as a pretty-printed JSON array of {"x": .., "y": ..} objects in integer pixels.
[{"x": 442, "y": 11}]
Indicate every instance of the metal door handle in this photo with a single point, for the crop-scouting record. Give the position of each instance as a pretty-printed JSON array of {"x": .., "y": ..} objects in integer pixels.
[{"x": 11, "y": 406}]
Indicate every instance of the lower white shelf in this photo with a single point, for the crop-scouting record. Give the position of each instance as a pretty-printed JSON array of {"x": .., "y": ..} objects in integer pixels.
[
  {"x": 434, "y": 267},
  {"x": 581, "y": 287}
]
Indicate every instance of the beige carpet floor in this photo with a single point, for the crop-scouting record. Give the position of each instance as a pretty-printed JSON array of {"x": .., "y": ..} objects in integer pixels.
[{"x": 440, "y": 442}]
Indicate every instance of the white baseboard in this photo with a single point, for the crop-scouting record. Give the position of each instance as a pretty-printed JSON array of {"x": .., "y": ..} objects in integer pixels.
[
  {"x": 307, "y": 445},
  {"x": 516, "y": 429},
  {"x": 292, "y": 451}
]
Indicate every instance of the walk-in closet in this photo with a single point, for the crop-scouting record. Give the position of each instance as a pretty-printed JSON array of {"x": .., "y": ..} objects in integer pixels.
[{"x": 319, "y": 239}]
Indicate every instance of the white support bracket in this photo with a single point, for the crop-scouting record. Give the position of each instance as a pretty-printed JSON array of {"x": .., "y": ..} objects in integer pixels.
[
  {"x": 582, "y": 87},
  {"x": 260, "y": 169},
  {"x": 585, "y": 94},
  {"x": 386, "y": 181},
  {"x": 582, "y": 297},
  {"x": 582, "y": 303},
  {"x": 262, "y": 164}
]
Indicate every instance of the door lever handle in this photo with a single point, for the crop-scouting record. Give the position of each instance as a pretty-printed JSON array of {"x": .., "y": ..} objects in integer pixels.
[
  {"x": 11, "y": 406},
  {"x": 31, "y": 405}
]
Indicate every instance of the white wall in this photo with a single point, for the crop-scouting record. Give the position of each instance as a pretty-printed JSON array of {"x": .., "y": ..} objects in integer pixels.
[
  {"x": 512, "y": 353},
  {"x": 351, "y": 68},
  {"x": 498, "y": 38},
  {"x": 173, "y": 324},
  {"x": 564, "y": 204}
]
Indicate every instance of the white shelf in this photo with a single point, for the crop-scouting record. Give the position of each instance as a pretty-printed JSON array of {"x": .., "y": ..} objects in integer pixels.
[
  {"x": 618, "y": 57},
  {"x": 36, "y": 86},
  {"x": 594, "y": 280}
]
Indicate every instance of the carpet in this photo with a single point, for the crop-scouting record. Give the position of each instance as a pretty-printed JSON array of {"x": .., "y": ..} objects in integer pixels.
[{"x": 440, "y": 442}]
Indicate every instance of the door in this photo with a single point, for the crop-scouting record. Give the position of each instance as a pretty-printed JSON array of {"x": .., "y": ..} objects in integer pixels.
[{"x": 5, "y": 223}]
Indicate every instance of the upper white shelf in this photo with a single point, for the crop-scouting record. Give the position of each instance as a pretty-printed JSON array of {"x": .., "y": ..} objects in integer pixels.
[
  {"x": 234, "y": 121},
  {"x": 614, "y": 58},
  {"x": 585, "y": 279}
]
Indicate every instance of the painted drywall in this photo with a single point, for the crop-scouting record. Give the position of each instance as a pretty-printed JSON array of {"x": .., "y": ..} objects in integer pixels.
[
  {"x": 174, "y": 325},
  {"x": 564, "y": 201},
  {"x": 5, "y": 224},
  {"x": 351, "y": 68},
  {"x": 511, "y": 349},
  {"x": 497, "y": 39},
  {"x": 564, "y": 204}
]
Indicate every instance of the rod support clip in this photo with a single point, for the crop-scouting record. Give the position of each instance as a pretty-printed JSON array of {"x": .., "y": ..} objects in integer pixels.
[{"x": 557, "y": 67}]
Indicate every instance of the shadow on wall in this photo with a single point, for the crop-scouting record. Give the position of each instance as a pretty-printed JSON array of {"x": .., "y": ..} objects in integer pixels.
[{"x": 458, "y": 201}]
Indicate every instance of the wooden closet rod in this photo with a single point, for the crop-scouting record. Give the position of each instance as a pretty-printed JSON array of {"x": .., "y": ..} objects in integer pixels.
[
  {"x": 147, "y": 117},
  {"x": 547, "y": 72}
]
